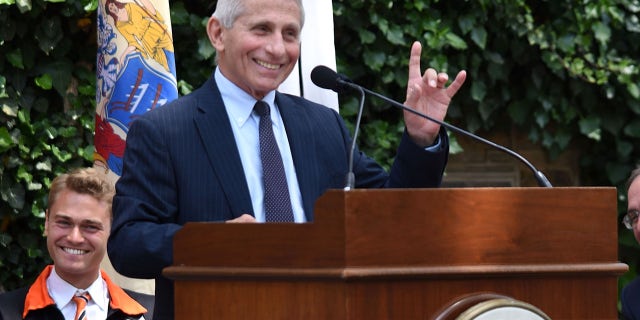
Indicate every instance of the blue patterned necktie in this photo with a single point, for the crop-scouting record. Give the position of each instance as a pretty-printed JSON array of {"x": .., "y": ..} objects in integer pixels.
[{"x": 277, "y": 202}]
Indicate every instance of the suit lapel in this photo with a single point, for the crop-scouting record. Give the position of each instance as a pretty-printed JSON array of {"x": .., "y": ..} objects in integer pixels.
[
  {"x": 296, "y": 122},
  {"x": 212, "y": 123}
]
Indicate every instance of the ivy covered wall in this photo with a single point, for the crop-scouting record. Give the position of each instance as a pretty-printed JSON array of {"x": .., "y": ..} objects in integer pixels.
[{"x": 561, "y": 73}]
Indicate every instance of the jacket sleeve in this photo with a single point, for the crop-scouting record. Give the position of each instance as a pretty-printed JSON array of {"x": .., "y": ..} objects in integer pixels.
[
  {"x": 416, "y": 167},
  {"x": 413, "y": 166},
  {"x": 145, "y": 205}
]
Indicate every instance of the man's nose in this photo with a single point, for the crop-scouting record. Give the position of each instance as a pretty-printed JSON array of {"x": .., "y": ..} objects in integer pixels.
[{"x": 75, "y": 234}]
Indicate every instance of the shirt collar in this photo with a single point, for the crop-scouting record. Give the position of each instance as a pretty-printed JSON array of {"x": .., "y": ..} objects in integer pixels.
[{"x": 61, "y": 291}]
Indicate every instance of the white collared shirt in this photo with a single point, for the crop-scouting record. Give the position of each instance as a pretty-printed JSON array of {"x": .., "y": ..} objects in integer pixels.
[
  {"x": 62, "y": 292},
  {"x": 244, "y": 123}
]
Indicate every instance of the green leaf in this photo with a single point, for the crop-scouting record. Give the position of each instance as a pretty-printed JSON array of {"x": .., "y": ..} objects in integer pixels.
[
  {"x": 624, "y": 149},
  {"x": 45, "y": 82},
  {"x": 455, "y": 41},
  {"x": 454, "y": 145},
  {"x": 566, "y": 43},
  {"x": 44, "y": 165},
  {"x": 24, "y": 117},
  {"x": 590, "y": 126},
  {"x": 179, "y": 15},
  {"x": 15, "y": 58},
  {"x": 3, "y": 87},
  {"x": 541, "y": 119},
  {"x": 49, "y": 33},
  {"x": 24, "y": 174},
  {"x": 205, "y": 49},
  {"x": 563, "y": 137},
  {"x": 375, "y": 60},
  {"x": 615, "y": 172},
  {"x": 366, "y": 36},
  {"x": 90, "y": 5},
  {"x": 479, "y": 37},
  {"x": 62, "y": 155},
  {"x": 466, "y": 23},
  {"x": 51, "y": 132},
  {"x": 395, "y": 35},
  {"x": 5, "y": 239},
  {"x": 60, "y": 73},
  {"x": 602, "y": 32},
  {"x": 414, "y": 4},
  {"x": 478, "y": 91},
  {"x": 494, "y": 57},
  {"x": 633, "y": 129},
  {"x": 68, "y": 132},
  {"x": 12, "y": 193},
  {"x": 10, "y": 110},
  {"x": 633, "y": 90},
  {"x": 87, "y": 152},
  {"x": 595, "y": 135},
  {"x": 634, "y": 106},
  {"x": 24, "y": 5},
  {"x": 486, "y": 109},
  {"x": 614, "y": 123},
  {"x": 5, "y": 140},
  {"x": 184, "y": 87}
]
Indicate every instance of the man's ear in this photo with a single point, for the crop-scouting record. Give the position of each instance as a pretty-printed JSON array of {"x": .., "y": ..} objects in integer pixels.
[{"x": 215, "y": 31}]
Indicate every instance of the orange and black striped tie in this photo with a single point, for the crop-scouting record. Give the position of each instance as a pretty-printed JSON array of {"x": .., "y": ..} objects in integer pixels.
[{"x": 81, "y": 300}]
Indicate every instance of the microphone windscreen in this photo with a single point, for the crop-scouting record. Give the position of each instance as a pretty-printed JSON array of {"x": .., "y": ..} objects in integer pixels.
[{"x": 324, "y": 77}]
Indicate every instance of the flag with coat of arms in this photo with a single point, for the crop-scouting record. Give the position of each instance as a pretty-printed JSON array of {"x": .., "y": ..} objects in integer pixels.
[{"x": 135, "y": 72}]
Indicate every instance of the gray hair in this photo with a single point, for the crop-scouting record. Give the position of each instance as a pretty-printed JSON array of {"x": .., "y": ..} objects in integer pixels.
[
  {"x": 227, "y": 11},
  {"x": 634, "y": 174}
]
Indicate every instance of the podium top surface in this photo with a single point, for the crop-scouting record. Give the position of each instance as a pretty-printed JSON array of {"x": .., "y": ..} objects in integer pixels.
[{"x": 419, "y": 227}]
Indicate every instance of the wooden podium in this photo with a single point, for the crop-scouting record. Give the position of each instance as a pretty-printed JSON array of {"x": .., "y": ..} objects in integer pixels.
[{"x": 406, "y": 253}]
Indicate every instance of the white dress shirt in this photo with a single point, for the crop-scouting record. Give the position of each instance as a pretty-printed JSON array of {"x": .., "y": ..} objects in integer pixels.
[
  {"x": 244, "y": 123},
  {"x": 62, "y": 292}
]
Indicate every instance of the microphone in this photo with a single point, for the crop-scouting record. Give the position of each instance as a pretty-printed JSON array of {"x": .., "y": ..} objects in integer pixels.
[
  {"x": 319, "y": 78},
  {"x": 325, "y": 78},
  {"x": 351, "y": 177}
]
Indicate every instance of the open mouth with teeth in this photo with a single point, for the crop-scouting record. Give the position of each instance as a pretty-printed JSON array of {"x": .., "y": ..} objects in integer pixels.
[
  {"x": 74, "y": 251},
  {"x": 268, "y": 65}
]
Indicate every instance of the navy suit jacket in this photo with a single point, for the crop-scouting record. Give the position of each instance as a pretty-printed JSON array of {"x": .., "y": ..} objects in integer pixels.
[
  {"x": 181, "y": 164},
  {"x": 630, "y": 299}
]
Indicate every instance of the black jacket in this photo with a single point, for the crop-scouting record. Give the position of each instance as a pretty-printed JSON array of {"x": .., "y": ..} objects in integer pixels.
[{"x": 129, "y": 304}]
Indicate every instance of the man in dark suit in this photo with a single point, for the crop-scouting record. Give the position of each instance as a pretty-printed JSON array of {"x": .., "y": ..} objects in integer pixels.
[
  {"x": 198, "y": 157},
  {"x": 77, "y": 225},
  {"x": 630, "y": 296}
]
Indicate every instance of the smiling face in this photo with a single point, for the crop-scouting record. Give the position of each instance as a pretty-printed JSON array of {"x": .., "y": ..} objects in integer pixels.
[
  {"x": 77, "y": 227},
  {"x": 261, "y": 48}
]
